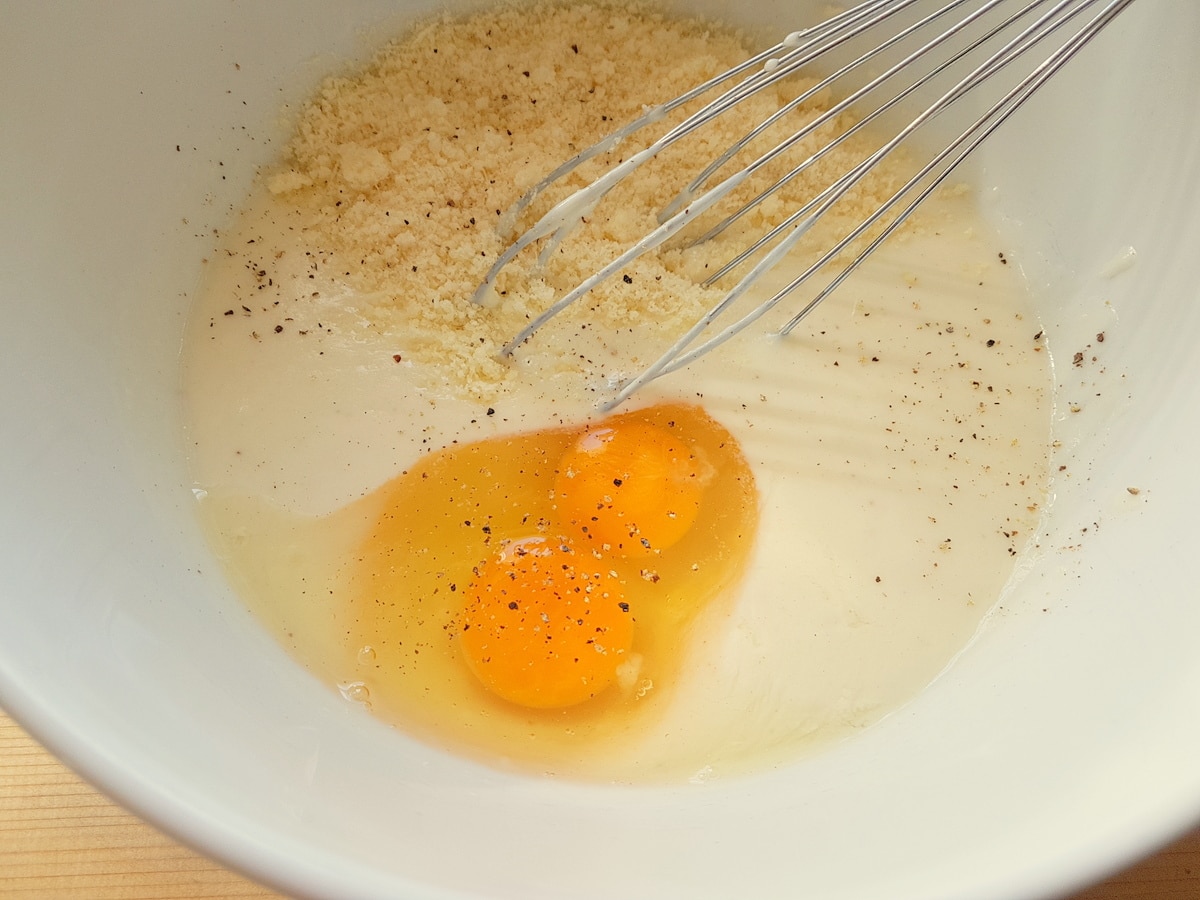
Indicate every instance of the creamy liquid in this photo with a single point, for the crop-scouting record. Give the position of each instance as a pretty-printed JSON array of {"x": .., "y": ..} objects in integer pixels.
[{"x": 899, "y": 438}]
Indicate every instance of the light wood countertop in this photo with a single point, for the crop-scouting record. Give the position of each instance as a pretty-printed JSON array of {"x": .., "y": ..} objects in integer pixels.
[{"x": 60, "y": 839}]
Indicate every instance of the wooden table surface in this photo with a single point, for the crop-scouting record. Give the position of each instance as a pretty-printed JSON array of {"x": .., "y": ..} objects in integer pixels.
[{"x": 60, "y": 839}]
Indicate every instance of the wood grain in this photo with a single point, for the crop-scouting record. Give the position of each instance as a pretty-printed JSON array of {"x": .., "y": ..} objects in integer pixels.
[{"x": 60, "y": 839}]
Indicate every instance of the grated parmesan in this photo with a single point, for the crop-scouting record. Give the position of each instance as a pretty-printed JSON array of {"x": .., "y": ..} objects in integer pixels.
[{"x": 403, "y": 173}]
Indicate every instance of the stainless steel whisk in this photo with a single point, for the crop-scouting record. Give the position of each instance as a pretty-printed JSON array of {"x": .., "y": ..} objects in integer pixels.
[{"x": 914, "y": 47}]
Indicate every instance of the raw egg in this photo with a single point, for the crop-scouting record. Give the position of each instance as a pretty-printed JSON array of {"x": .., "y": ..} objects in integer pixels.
[
  {"x": 545, "y": 627},
  {"x": 504, "y": 593}
]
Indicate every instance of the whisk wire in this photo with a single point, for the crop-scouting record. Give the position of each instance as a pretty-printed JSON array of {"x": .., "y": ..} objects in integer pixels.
[
  {"x": 837, "y": 109},
  {"x": 793, "y": 44},
  {"x": 857, "y": 127},
  {"x": 993, "y": 64},
  {"x": 964, "y": 144},
  {"x": 566, "y": 214},
  {"x": 788, "y": 57}
]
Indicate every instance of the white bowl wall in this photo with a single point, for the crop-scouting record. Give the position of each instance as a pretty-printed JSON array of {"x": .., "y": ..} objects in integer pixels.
[{"x": 1062, "y": 743}]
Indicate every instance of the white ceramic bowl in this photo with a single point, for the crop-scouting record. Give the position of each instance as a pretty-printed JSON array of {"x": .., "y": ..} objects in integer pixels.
[{"x": 1063, "y": 743}]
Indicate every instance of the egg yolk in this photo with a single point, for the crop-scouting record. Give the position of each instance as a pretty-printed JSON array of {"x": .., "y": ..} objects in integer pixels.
[
  {"x": 545, "y": 627},
  {"x": 632, "y": 488}
]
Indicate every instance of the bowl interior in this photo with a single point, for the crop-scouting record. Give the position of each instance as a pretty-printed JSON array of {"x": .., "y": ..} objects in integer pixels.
[{"x": 1061, "y": 743}]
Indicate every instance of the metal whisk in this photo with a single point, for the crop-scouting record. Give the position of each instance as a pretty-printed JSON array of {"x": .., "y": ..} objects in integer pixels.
[{"x": 913, "y": 49}]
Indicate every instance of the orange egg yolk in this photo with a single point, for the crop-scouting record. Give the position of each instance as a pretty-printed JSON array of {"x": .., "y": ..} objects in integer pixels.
[
  {"x": 545, "y": 627},
  {"x": 632, "y": 488}
]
